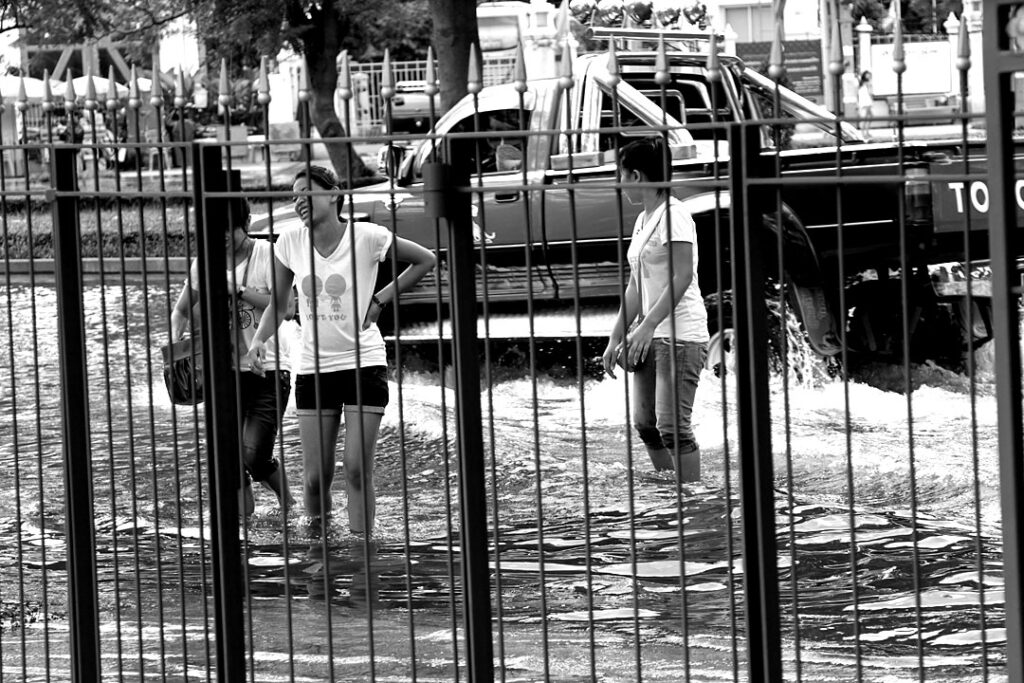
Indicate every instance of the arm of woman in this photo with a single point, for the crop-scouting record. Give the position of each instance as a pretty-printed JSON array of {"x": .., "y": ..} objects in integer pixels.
[
  {"x": 421, "y": 261},
  {"x": 640, "y": 340},
  {"x": 272, "y": 316},
  {"x": 182, "y": 311},
  {"x": 628, "y": 310},
  {"x": 257, "y": 299}
]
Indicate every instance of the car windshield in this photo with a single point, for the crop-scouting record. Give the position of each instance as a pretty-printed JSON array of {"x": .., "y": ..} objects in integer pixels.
[{"x": 800, "y": 108}]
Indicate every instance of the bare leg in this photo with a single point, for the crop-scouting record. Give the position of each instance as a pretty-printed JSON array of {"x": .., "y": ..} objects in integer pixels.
[
  {"x": 360, "y": 444},
  {"x": 319, "y": 436}
]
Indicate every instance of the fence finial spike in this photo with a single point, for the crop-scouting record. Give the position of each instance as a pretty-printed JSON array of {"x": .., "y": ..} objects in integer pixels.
[
  {"x": 714, "y": 65},
  {"x": 431, "y": 88},
  {"x": 224, "y": 88},
  {"x": 179, "y": 88},
  {"x": 835, "y": 52},
  {"x": 661, "y": 72},
  {"x": 263, "y": 84},
  {"x": 304, "y": 93},
  {"x": 21, "y": 104},
  {"x": 90, "y": 91},
  {"x": 565, "y": 79},
  {"x": 133, "y": 90},
  {"x": 776, "y": 60},
  {"x": 111, "y": 90},
  {"x": 899, "y": 64},
  {"x": 963, "y": 52},
  {"x": 344, "y": 77},
  {"x": 156, "y": 92},
  {"x": 387, "y": 79},
  {"x": 47, "y": 91},
  {"x": 474, "y": 83},
  {"x": 70, "y": 97},
  {"x": 519, "y": 70},
  {"x": 613, "y": 65}
]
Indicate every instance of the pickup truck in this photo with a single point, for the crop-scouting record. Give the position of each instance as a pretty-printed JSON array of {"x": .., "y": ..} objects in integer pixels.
[{"x": 544, "y": 172}]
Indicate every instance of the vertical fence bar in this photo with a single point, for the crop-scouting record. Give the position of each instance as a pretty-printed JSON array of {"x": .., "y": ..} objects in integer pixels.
[
  {"x": 221, "y": 414},
  {"x": 440, "y": 192},
  {"x": 1000, "y": 65},
  {"x": 757, "y": 494},
  {"x": 83, "y": 618}
]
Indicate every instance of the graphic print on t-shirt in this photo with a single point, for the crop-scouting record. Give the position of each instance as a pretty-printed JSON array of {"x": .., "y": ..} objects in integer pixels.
[
  {"x": 334, "y": 287},
  {"x": 327, "y": 307},
  {"x": 310, "y": 287},
  {"x": 246, "y": 314}
]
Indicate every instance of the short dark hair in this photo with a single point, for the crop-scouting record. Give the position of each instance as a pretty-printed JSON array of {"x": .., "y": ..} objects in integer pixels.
[
  {"x": 239, "y": 214},
  {"x": 648, "y": 157},
  {"x": 324, "y": 177}
]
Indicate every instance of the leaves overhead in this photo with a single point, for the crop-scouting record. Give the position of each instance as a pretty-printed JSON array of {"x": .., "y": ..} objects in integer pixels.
[{"x": 76, "y": 21}]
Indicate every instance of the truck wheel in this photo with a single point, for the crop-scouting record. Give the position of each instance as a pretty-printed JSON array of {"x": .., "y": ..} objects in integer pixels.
[
  {"x": 721, "y": 356},
  {"x": 721, "y": 353}
]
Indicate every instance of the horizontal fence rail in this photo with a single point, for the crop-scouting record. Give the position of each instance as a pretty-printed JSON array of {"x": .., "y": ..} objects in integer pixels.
[{"x": 537, "y": 471}]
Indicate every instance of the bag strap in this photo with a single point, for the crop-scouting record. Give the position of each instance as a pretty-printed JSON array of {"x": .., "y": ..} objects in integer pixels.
[
  {"x": 248, "y": 262},
  {"x": 639, "y": 253}
]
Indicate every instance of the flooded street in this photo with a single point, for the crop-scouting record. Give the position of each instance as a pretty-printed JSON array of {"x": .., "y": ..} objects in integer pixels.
[{"x": 601, "y": 570}]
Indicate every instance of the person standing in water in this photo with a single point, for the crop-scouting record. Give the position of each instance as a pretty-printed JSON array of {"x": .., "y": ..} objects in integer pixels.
[
  {"x": 661, "y": 329},
  {"x": 343, "y": 371},
  {"x": 262, "y": 396}
]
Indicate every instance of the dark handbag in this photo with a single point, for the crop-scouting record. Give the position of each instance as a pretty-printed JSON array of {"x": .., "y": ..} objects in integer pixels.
[{"x": 183, "y": 371}]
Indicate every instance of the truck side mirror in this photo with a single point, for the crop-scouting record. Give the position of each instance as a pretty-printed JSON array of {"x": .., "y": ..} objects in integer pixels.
[{"x": 389, "y": 160}]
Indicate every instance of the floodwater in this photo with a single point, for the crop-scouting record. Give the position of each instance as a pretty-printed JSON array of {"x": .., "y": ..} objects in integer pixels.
[{"x": 594, "y": 577}]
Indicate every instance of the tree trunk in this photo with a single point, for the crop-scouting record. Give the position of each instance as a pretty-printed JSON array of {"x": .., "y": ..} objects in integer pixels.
[
  {"x": 322, "y": 45},
  {"x": 455, "y": 29},
  {"x": 349, "y": 166}
]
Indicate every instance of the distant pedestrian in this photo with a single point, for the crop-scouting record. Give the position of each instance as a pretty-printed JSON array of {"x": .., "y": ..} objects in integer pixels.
[
  {"x": 865, "y": 102},
  {"x": 661, "y": 330},
  {"x": 343, "y": 371}
]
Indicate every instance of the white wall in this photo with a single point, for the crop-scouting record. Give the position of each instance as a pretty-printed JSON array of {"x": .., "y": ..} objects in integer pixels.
[
  {"x": 800, "y": 16},
  {"x": 9, "y": 54}
]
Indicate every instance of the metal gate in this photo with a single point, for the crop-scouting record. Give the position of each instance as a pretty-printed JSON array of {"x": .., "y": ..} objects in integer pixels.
[{"x": 845, "y": 524}]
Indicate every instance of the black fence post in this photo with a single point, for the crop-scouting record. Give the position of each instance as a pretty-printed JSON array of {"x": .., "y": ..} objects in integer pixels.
[
  {"x": 83, "y": 601},
  {"x": 757, "y": 493},
  {"x": 443, "y": 200},
  {"x": 221, "y": 411},
  {"x": 1000, "y": 64}
]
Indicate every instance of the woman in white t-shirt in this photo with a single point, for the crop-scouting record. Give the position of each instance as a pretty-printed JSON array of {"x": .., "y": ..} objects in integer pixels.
[
  {"x": 262, "y": 397},
  {"x": 343, "y": 370},
  {"x": 661, "y": 331}
]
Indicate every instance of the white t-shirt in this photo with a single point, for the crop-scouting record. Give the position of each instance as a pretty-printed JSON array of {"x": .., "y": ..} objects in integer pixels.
[
  {"x": 339, "y": 314},
  {"x": 648, "y": 257},
  {"x": 254, "y": 273},
  {"x": 865, "y": 98}
]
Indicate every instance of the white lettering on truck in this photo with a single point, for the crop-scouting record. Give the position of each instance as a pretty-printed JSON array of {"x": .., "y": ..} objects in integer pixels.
[{"x": 977, "y": 193}]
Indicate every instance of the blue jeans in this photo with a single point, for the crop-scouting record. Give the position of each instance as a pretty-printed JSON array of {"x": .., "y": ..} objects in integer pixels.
[{"x": 662, "y": 407}]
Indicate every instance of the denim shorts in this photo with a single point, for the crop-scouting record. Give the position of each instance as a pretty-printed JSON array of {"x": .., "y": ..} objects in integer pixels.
[{"x": 338, "y": 390}]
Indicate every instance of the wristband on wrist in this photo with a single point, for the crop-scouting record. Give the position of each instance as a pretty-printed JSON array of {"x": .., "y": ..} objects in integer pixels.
[{"x": 374, "y": 299}]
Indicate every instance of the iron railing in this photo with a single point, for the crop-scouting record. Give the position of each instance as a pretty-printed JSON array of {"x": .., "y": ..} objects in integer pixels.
[{"x": 843, "y": 526}]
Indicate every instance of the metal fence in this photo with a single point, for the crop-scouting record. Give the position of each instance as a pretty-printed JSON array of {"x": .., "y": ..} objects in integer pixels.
[{"x": 846, "y": 523}]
